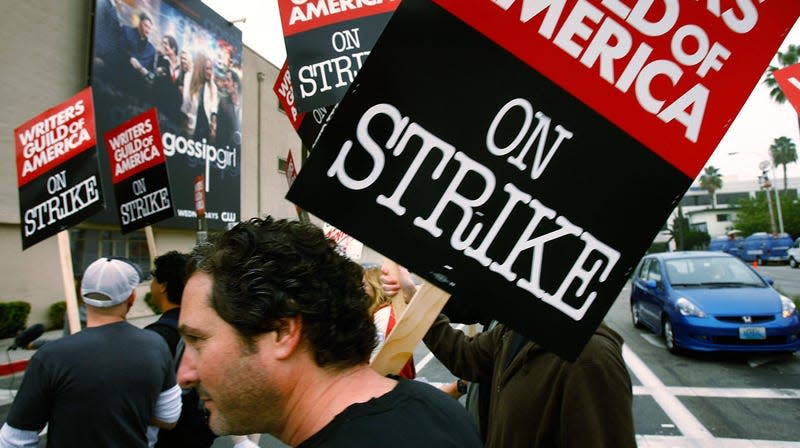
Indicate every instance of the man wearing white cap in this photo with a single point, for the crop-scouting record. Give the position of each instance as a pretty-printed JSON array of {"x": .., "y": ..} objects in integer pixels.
[{"x": 103, "y": 385}]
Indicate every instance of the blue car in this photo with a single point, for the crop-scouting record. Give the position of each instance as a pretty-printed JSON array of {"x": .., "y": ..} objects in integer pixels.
[{"x": 711, "y": 301}]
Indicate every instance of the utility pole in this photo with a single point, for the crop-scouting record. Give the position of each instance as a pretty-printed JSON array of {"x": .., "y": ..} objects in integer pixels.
[{"x": 766, "y": 184}]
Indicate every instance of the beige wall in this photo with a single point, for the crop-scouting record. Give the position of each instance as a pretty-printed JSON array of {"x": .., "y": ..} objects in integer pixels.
[{"x": 44, "y": 57}]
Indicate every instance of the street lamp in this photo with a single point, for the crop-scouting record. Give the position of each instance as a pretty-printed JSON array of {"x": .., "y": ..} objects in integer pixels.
[{"x": 764, "y": 165}]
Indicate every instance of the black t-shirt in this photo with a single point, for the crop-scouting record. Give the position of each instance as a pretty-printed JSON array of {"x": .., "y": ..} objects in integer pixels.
[
  {"x": 413, "y": 414},
  {"x": 97, "y": 387}
]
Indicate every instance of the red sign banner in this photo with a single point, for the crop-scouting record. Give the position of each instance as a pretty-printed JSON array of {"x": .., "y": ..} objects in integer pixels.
[
  {"x": 134, "y": 146},
  {"x": 54, "y": 136},
  {"x": 671, "y": 74},
  {"x": 302, "y": 15},
  {"x": 200, "y": 196}
]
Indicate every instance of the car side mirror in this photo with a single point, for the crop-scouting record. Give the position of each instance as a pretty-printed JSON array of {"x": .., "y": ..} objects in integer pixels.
[
  {"x": 651, "y": 284},
  {"x": 769, "y": 280}
]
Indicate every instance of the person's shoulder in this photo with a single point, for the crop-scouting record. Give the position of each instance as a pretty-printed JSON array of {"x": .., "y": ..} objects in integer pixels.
[{"x": 604, "y": 344}]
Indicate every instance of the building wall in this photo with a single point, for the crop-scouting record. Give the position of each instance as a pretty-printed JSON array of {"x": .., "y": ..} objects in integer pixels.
[{"x": 45, "y": 60}]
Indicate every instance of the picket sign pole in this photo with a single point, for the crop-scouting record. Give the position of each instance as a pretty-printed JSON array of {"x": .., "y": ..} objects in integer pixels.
[
  {"x": 398, "y": 300},
  {"x": 410, "y": 328},
  {"x": 151, "y": 245},
  {"x": 68, "y": 280}
]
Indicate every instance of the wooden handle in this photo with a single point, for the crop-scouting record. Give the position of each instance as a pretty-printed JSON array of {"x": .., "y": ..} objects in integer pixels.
[
  {"x": 68, "y": 278},
  {"x": 411, "y": 327}
]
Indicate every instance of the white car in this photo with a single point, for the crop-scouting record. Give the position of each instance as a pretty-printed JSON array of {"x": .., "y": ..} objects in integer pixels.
[{"x": 794, "y": 254}]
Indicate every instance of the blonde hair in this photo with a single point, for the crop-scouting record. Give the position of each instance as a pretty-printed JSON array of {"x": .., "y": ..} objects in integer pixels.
[{"x": 372, "y": 276}]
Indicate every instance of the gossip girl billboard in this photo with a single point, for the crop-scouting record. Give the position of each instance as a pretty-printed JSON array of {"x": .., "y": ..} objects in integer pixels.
[{"x": 184, "y": 60}]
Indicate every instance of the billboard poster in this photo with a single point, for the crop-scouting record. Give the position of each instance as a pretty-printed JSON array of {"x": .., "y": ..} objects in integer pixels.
[
  {"x": 139, "y": 172},
  {"x": 531, "y": 150},
  {"x": 307, "y": 124},
  {"x": 327, "y": 42},
  {"x": 57, "y": 169},
  {"x": 184, "y": 60},
  {"x": 789, "y": 81}
]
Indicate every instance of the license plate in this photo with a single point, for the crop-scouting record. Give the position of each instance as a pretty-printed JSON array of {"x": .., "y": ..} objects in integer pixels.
[{"x": 752, "y": 333}]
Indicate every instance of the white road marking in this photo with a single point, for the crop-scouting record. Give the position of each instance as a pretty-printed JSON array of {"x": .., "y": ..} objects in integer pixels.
[
  {"x": 653, "y": 340},
  {"x": 696, "y": 435},
  {"x": 680, "y": 442},
  {"x": 732, "y": 392}
]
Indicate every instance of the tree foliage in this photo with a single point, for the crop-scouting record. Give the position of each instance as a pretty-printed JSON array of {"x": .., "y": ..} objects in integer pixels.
[
  {"x": 783, "y": 152},
  {"x": 711, "y": 181},
  {"x": 685, "y": 237},
  {"x": 753, "y": 215},
  {"x": 789, "y": 57}
]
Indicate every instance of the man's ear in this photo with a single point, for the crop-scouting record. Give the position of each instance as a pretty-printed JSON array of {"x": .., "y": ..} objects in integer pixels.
[{"x": 287, "y": 337}]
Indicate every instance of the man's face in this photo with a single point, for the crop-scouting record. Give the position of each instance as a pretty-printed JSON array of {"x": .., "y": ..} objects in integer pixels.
[
  {"x": 233, "y": 382},
  {"x": 166, "y": 48},
  {"x": 229, "y": 82},
  {"x": 144, "y": 27}
]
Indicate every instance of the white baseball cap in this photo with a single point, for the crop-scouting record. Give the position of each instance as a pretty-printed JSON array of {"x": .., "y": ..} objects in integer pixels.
[{"x": 109, "y": 281}]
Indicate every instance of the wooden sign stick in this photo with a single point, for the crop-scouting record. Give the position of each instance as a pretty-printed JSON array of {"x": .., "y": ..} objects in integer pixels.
[
  {"x": 151, "y": 245},
  {"x": 411, "y": 327},
  {"x": 65, "y": 254}
]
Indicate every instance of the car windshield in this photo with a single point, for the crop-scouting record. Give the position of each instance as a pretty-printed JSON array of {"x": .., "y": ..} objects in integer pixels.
[{"x": 711, "y": 272}]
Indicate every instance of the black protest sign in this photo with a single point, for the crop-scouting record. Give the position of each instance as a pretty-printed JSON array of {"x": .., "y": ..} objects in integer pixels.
[
  {"x": 57, "y": 169},
  {"x": 327, "y": 42},
  {"x": 307, "y": 124},
  {"x": 139, "y": 172},
  {"x": 530, "y": 194}
]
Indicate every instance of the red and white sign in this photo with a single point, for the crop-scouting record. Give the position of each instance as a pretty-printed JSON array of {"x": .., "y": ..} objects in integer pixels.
[
  {"x": 54, "y": 136},
  {"x": 283, "y": 89},
  {"x": 303, "y": 15},
  {"x": 200, "y": 196},
  {"x": 689, "y": 64},
  {"x": 789, "y": 80},
  {"x": 346, "y": 244},
  {"x": 134, "y": 146}
]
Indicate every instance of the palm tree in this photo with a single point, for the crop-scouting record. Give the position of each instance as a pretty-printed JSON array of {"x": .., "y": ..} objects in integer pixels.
[
  {"x": 783, "y": 152},
  {"x": 711, "y": 181},
  {"x": 790, "y": 57}
]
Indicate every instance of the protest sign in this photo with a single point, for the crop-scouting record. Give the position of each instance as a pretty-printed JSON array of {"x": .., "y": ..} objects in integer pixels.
[
  {"x": 57, "y": 172},
  {"x": 327, "y": 42},
  {"x": 307, "y": 124},
  {"x": 188, "y": 65},
  {"x": 789, "y": 81},
  {"x": 346, "y": 244},
  {"x": 530, "y": 150},
  {"x": 139, "y": 172}
]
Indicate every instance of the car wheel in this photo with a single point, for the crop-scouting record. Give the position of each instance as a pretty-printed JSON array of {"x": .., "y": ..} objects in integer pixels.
[
  {"x": 635, "y": 316},
  {"x": 669, "y": 336},
  {"x": 792, "y": 262}
]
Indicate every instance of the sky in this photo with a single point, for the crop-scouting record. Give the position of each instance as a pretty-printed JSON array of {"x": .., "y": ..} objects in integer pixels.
[{"x": 737, "y": 157}]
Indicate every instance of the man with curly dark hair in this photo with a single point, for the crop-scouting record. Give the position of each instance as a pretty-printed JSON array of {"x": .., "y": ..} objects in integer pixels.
[{"x": 278, "y": 337}]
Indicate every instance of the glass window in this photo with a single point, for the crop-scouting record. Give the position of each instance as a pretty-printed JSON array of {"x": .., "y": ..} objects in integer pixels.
[
  {"x": 722, "y": 217},
  {"x": 89, "y": 244},
  {"x": 654, "y": 272}
]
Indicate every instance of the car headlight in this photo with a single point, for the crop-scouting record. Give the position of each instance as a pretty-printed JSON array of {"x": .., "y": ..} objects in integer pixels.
[
  {"x": 687, "y": 308},
  {"x": 788, "y": 307}
]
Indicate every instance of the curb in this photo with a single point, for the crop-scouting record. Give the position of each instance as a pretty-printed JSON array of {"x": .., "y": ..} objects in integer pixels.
[{"x": 13, "y": 367}]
